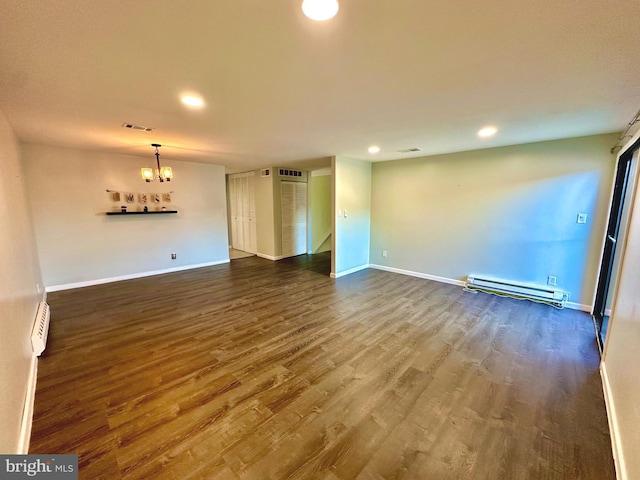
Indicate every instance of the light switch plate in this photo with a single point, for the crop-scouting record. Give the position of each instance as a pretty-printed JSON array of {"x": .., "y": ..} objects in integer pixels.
[{"x": 582, "y": 218}]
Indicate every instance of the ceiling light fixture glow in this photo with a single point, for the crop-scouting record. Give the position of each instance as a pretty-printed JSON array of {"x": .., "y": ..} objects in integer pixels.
[
  {"x": 374, "y": 149},
  {"x": 320, "y": 10},
  {"x": 487, "y": 132},
  {"x": 192, "y": 101}
]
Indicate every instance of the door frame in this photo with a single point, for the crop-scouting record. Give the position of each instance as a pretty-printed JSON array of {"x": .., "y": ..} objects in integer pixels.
[{"x": 612, "y": 241}]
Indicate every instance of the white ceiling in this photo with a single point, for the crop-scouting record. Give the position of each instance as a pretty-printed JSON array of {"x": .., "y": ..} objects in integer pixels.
[{"x": 281, "y": 89}]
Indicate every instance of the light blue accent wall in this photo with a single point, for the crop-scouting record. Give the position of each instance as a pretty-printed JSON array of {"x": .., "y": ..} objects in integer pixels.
[
  {"x": 352, "y": 192},
  {"x": 506, "y": 212}
]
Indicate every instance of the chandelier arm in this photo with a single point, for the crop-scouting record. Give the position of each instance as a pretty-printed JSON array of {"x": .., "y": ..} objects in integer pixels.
[{"x": 157, "y": 145}]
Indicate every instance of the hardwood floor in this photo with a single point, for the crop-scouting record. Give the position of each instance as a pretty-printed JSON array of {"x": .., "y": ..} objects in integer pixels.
[{"x": 269, "y": 370}]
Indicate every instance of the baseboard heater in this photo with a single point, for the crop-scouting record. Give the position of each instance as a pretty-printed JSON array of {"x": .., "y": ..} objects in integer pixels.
[
  {"x": 40, "y": 329},
  {"x": 525, "y": 291}
]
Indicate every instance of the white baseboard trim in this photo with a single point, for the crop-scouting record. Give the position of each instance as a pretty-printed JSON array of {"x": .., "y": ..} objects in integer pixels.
[
  {"x": 27, "y": 411},
  {"x": 579, "y": 306},
  {"x": 349, "y": 272},
  {"x": 618, "y": 457},
  {"x": 435, "y": 278},
  {"x": 99, "y": 281},
  {"x": 460, "y": 283},
  {"x": 270, "y": 257}
]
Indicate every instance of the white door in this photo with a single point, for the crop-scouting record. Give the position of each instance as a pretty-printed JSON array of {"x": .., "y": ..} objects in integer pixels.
[
  {"x": 234, "y": 196},
  {"x": 293, "y": 200},
  {"x": 250, "y": 235},
  {"x": 248, "y": 215},
  {"x": 243, "y": 212}
]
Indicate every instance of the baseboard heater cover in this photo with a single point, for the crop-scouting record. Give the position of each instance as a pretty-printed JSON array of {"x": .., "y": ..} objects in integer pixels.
[
  {"x": 40, "y": 329},
  {"x": 527, "y": 291}
]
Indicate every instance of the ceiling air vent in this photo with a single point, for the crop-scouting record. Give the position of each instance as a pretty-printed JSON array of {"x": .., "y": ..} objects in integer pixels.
[
  {"x": 284, "y": 172},
  {"x": 410, "y": 150},
  {"x": 137, "y": 127}
]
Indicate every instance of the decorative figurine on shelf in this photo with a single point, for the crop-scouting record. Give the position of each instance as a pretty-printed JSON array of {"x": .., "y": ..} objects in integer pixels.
[
  {"x": 164, "y": 209},
  {"x": 123, "y": 209},
  {"x": 146, "y": 209}
]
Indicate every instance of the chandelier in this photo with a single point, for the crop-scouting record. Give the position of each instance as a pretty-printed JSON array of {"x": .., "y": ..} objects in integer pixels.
[{"x": 160, "y": 173}]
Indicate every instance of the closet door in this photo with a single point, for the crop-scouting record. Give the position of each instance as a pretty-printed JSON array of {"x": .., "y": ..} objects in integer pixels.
[
  {"x": 243, "y": 212},
  {"x": 251, "y": 237},
  {"x": 248, "y": 206},
  {"x": 235, "y": 195},
  {"x": 293, "y": 200}
]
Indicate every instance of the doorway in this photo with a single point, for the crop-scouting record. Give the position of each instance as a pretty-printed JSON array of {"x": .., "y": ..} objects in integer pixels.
[{"x": 616, "y": 233}]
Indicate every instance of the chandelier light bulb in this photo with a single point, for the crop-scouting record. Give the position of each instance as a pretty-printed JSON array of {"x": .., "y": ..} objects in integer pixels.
[{"x": 320, "y": 10}]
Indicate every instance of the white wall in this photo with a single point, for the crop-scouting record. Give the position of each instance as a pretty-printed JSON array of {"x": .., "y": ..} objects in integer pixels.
[
  {"x": 508, "y": 212},
  {"x": 78, "y": 243},
  {"x": 621, "y": 361},
  {"x": 19, "y": 283},
  {"x": 351, "y": 192}
]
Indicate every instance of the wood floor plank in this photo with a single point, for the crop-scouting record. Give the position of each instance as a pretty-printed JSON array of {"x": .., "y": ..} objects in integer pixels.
[{"x": 272, "y": 370}]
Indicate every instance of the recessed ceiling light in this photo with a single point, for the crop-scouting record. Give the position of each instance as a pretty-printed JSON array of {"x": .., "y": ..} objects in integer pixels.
[
  {"x": 192, "y": 101},
  {"x": 374, "y": 149},
  {"x": 320, "y": 10},
  {"x": 487, "y": 131}
]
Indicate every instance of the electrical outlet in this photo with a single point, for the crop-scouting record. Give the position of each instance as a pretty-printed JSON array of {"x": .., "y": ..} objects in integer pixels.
[
  {"x": 173, "y": 256},
  {"x": 384, "y": 253},
  {"x": 552, "y": 280}
]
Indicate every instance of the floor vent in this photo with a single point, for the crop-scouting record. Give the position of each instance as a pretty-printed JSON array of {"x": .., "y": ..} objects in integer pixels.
[
  {"x": 524, "y": 291},
  {"x": 40, "y": 329}
]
